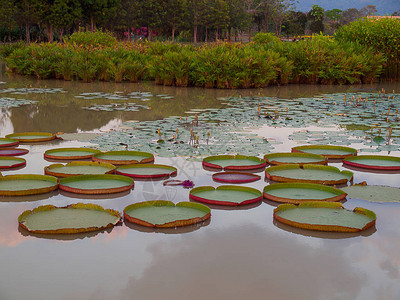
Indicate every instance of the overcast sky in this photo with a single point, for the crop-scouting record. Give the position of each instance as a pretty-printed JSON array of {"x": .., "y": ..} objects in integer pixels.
[{"x": 383, "y": 6}]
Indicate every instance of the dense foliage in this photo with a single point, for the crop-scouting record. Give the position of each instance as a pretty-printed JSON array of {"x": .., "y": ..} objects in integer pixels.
[
  {"x": 382, "y": 35},
  {"x": 89, "y": 56}
]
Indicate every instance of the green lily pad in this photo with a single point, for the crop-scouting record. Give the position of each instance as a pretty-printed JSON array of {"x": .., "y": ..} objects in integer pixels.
[
  {"x": 325, "y": 216},
  {"x": 162, "y": 213},
  {"x": 327, "y": 150},
  {"x": 96, "y": 184},
  {"x": 7, "y": 162},
  {"x": 73, "y": 218},
  {"x": 32, "y": 137},
  {"x": 226, "y": 195},
  {"x": 308, "y": 174},
  {"x": 79, "y": 168},
  {"x": 27, "y": 184},
  {"x": 122, "y": 157},
  {"x": 146, "y": 170},
  {"x": 70, "y": 153},
  {"x": 375, "y": 162},
  {"x": 373, "y": 193},
  {"x": 234, "y": 162},
  {"x": 297, "y": 193},
  {"x": 8, "y": 142},
  {"x": 295, "y": 158}
]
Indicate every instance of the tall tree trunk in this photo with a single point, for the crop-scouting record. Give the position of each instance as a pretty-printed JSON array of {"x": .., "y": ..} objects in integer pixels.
[
  {"x": 195, "y": 34},
  {"x": 250, "y": 33},
  {"x": 49, "y": 32},
  {"x": 27, "y": 31},
  {"x": 206, "y": 33},
  {"x": 173, "y": 32},
  {"x": 91, "y": 22},
  {"x": 149, "y": 34},
  {"x": 216, "y": 35}
]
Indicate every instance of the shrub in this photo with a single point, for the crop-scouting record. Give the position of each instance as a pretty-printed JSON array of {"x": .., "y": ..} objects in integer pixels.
[{"x": 90, "y": 39}]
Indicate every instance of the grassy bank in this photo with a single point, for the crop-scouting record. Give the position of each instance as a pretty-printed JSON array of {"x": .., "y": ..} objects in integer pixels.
[{"x": 265, "y": 61}]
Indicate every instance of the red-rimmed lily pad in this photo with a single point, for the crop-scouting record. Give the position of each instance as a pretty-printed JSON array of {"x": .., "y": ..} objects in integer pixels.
[
  {"x": 297, "y": 193},
  {"x": 325, "y": 216},
  {"x": 329, "y": 151},
  {"x": 235, "y": 177},
  {"x": 8, "y": 142},
  {"x": 226, "y": 195},
  {"x": 96, "y": 184},
  {"x": 308, "y": 174},
  {"x": 13, "y": 151},
  {"x": 27, "y": 184},
  {"x": 295, "y": 158},
  {"x": 124, "y": 157},
  {"x": 373, "y": 193},
  {"x": 162, "y": 213},
  {"x": 146, "y": 171},
  {"x": 79, "y": 168},
  {"x": 234, "y": 162},
  {"x": 75, "y": 218},
  {"x": 32, "y": 137},
  {"x": 70, "y": 153},
  {"x": 7, "y": 162},
  {"x": 374, "y": 162}
]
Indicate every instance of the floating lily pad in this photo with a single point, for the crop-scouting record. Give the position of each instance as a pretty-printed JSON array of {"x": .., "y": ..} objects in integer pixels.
[
  {"x": 300, "y": 192},
  {"x": 122, "y": 157},
  {"x": 375, "y": 162},
  {"x": 235, "y": 177},
  {"x": 7, "y": 162},
  {"x": 70, "y": 153},
  {"x": 79, "y": 136},
  {"x": 79, "y": 168},
  {"x": 226, "y": 195},
  {"x": 373, "y": 193},
  {"x": 308, "y": 174},
  {"x": 234, "y": 162},
  {"x": 32, "y": 137},
  {"x": 96, "y": 184},
  {"x": 75, "y": 218},
  {"x": 8, "y": 142},
  {"x": 162, "y": 213},
  {"x": 325, "y": 216},
  {"x": 328, "y": 151},
  {"x": 295, "y": 158},
  {"x": 146, "y": 170},
  {"x": 13, "y": 151},
  {"x": 27, "y": 184}
]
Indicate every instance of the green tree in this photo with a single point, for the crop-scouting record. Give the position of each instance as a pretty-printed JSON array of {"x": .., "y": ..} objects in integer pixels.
[
  {"x": 8, "y": 12},
  {"x": 175, "y": 16},
  {"x": 65, "y": 14},
  {"x": 96, "y": 11},
  {"x": 317, "y": 16}
]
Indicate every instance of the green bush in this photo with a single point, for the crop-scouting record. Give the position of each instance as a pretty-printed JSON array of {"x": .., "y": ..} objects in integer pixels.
[
  {"x": 381, "y": 35},
  {"x": 89, "y": 39}
]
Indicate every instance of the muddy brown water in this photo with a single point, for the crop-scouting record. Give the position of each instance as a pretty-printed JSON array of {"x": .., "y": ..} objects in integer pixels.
[{"x": 240, "y": 253}]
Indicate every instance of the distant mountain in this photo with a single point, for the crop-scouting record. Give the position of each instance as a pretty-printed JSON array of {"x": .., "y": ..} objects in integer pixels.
[{"x": 384, "y": 7}]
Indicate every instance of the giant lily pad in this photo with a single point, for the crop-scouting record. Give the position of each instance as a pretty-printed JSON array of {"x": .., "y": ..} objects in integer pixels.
[
  {"x": 375, "y": 162},
  {"x": 96, "y": 184},
  {"x": 70, "y": 153},
  {"x": 13, "y": 151},
  {"x": 146, "y": 170},
  {"x": 162, "y": 213},
  {"x": 8, "y": 142},
  {"x": 123, "y": 157},
  {"x": 325, "y": 216},
  {"x": 32, "y": 137},
  {"x": 7, "y": 162},
  {"x": 373, "y": 193},
  {"x": 234, "y": 162},
  {"x": 75, "y": 218},
  {"x": 300, "y": 192},
  {"x": 79, "y": 168},
  {"x": 308, "y": 174},
  {"x": 235, "y": 177},
  {"x": 295, "y": 158},
  {"x": 226, "y": 195},
  {"x": 329, "y": 151},
  {"x": 27, "y": 184}
]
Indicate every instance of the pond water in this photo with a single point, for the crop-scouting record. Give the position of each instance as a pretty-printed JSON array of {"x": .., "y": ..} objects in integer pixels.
[{"x": 240, "y": 252}]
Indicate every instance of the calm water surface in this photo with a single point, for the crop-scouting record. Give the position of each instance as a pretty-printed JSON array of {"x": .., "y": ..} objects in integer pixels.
[{"x": 239, "y": 253}]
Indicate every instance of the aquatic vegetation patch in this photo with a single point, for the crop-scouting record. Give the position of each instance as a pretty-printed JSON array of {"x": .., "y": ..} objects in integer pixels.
[
  {"x": 6, "y": 102},
  {"x": 373, "y": 193}
]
